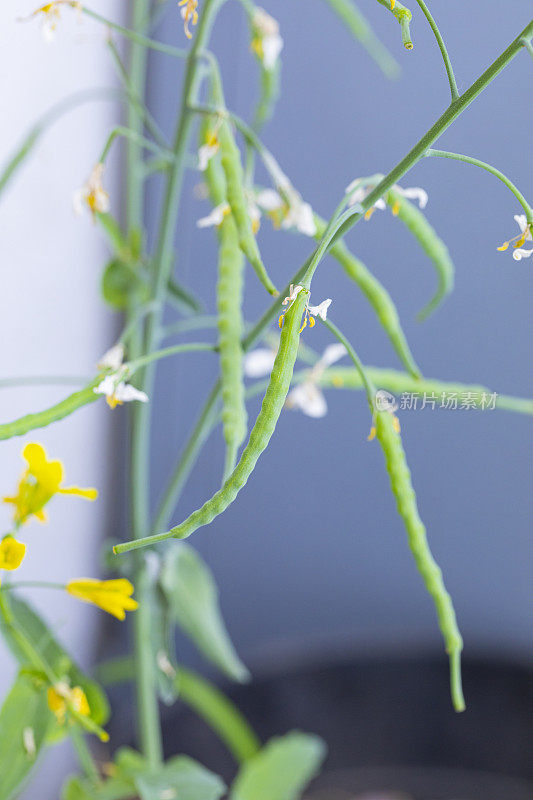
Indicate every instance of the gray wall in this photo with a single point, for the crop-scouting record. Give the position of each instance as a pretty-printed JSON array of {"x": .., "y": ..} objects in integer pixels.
[{"x": 312, "y": 554}]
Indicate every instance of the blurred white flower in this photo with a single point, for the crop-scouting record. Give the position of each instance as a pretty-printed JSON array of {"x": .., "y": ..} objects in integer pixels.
[
  {"x": 215, "y": 218},
  {"x": 114, "y": 386},
  {"x": 359, "y": 189},
  {"x": 267, "y": 43},
  {"x": 259, "y": 362},
  {"x": 308, "y": 397},
  {"x": 92, "y": 194},
  {"x": 290, "y": 213}
]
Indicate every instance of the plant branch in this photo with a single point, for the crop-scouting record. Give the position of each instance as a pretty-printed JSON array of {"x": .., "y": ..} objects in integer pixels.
[{"x": 442, "y": 47}]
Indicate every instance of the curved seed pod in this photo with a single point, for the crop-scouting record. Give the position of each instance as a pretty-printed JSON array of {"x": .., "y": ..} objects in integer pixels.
[
  {"x": 260, "y": 435},
  {"x": 230, "y": 322},
  {"x": 402, "y": 488},
  {"x": 23, "y": 425},
  {"x": 231, "y": 164},
  {"x": 270, "y": 80},
  {"x": 377, "y": 296},
  {"x": 430, "y": 242}
]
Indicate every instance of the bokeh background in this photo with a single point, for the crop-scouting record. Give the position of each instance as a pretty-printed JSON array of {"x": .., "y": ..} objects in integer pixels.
[{"x": 312, "y": 559}]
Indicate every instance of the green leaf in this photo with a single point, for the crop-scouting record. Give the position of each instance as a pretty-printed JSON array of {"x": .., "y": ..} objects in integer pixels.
[
  {"x": 193, "y": 599},
  {"x": 55, "y": 656},
  {"x": 77, "y": 788},
  {"x": 120, "y": 282},
  {"x": 162, "y": 642},
  {"x": 181, "y": 778},
  {"x": 281, "y": 770},
  {"x": 24, "y": 723}
]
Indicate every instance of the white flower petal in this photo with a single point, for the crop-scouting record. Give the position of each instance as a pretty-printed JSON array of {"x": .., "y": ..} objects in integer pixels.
[
  {"x": 264, "y": 24},
  {"x": 294, "y": 291},
  {"x": 125, "y": 393},
  {"x": 380, "y": 204},
  {"x": 321, "y": 310},
  {"x": 305, "y": 221},
  {"x": 272, "y": 47},
  {"x": 309, "y": 399},
  {"x": 269, "y": 200},
  {"x": 521, "y": 221},
  {"x": 414, "y": 193},
  {"x": 215, "y": 218},
  {"x": 259, "y": 362},
  {"x": 205, "y": 154},
  {"x": 113, "y": 358},
  {"x": 107, "y": 386},
  {"x": 521, "y": 253},
  {"x": 332, "y": 354}
]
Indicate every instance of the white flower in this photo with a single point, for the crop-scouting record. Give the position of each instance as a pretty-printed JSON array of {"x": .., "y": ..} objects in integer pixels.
[
  {"x": 92, "y": 194},
  {"x": 113, "y": 358},
  {"x": 259, "y": 362},
  {"x": 293, "y": 213},
  {"x": 114, "y": 385},
  {"x": 189, "y": 13},
  {"x": 308, "y": 397},
  {"x": 320, "y": 310},
  {"x": 50, "y": 16},
  {"x": 117, "y": 391},
  {"x": 215, "y": 218},
  {"x": 294, "y": 291},
  {"x": 267, "y": 43},
  {"x": 205, "y": 154},
  {"x": 525, "y": 235},
  {"x": 360, "y": 188}
]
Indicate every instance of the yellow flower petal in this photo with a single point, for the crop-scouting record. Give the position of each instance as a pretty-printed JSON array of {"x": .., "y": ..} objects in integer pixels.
[
  {"x": 12, "y": 553},
  {"x": 87, "y": 494},
  {"x": 113, "y": 596}
]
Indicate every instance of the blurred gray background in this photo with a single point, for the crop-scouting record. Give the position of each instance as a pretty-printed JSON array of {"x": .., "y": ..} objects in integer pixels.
[{"x": 312, "y": 557}]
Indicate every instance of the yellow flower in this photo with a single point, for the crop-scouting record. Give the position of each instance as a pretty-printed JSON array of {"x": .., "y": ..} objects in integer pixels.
[
  {"x": 112, "y": 596},
  {"x": 39, "y": 483},
  {"x": 60, "y": 696},
  {"x": 189, "y": 13},
  {"x": 12, "y": 553}
]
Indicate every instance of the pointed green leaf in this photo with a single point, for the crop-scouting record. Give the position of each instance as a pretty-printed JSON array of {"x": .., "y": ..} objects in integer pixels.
[
  {"x": 193, "y": 599},
  {"x": 181, "y": 778},
  {"x": 281, "y": 770},
  {"x": 24, "y": 723}
]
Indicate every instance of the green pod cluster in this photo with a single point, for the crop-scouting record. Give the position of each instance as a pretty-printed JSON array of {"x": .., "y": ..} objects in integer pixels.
[
  {"x": 265, "y": 424},
  {"x": 428, "y": 239},
  {"x": 230, "y": 321},
  {"x": 402, "y": 488},
  {"x": 23, "y": 425},
  {"x": 233, "y": 171},
  {"x": 377, "y": 296}
]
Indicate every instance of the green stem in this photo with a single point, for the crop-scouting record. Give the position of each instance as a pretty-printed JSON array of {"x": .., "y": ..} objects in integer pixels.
[
  {"x": 148, "y": 722},
  {"x": 442, "y": 47},
  {"x": 493, "y": 171},
  {"x": 32, "y": 585},
  {"x": 136, "y": 138},
  {"x": 85, "y": 757},
  {"x": 134, "y": 36},
  {"x": 351, "y": 217},
  {"x": 157, "y": 355},
  {"x": 44, "y": 380}
]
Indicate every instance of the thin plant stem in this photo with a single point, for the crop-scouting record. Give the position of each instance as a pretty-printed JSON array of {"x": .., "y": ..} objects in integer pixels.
[
  {"x": 85, "y": 757},
  {"x": 44, "y": 380},
  {"x": 136, "y": 37},
  {"x": 157, "y": 355},
  {"x": 442, "y": 47},
  {"x": 493, "y": 171},
  {"x": 32, "y": 585},
  {"x": 135, "y": 137},
  {"x": 148, "y": 720}
]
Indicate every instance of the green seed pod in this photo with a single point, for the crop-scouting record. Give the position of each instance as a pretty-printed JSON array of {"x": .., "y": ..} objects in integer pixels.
[
  {"x": 230, "y": 322},
  {"x": 30, "y": 422},
  {"x": 377, "y": 296},
  {"x": 231, "y": 164},
  {"x": 261, "y": 433},
  {"x": 402, "y": 488},
  {"x": 430, "y": 242}
]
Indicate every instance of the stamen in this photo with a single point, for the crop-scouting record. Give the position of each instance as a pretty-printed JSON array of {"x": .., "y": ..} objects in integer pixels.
[
  {"x": 312, "y": 322},
  {"x": 396, "y": 209},
  {"x": 392, "y": 4},
  {"x": 369, "y": 213},
  {"x": 372, "y": 435},
  {"x": 280, "y": 321}
]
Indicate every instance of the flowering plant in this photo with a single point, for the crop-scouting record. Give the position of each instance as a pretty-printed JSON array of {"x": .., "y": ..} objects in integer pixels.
[{"x": 165, "y": 583}]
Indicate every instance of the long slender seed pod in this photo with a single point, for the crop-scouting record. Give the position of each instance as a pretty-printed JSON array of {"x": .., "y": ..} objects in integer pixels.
[
  {"x": 260, "y": 435},
  {"x": 360, "y": 28},
  {"x": 377, "y": 296},
  {"x": 430, "y": 242},
  {"x": 402, "y": 489},
  {"x": 269, "y": 94},
  {"x": 30, "y": 422},
  {"x": 231, "y": 164},
  {"x": 230, "y": 321}
]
